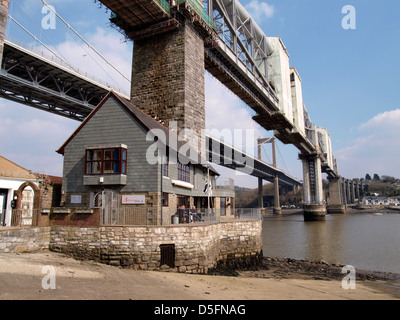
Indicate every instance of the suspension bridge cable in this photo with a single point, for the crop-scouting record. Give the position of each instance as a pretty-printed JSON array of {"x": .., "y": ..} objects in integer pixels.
[
  {"x": 287, "y": 170},
  {"x": 87, "y": 43},
  {"x": 36, "y": 39}
]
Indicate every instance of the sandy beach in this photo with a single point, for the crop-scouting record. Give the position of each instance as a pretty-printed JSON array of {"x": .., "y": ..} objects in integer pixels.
[{"x": 22, "y": 277}]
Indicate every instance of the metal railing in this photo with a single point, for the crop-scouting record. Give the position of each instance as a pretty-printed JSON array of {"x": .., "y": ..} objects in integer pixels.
[
  {"x": 164, "y": 5},
  {"x": 150, "y": 217},
  {"x": 199, "y": 9},
  {"x": 130, "y": 216},
  {"x": 216, "y": 215},
  {"x": 24, "y": 217}
]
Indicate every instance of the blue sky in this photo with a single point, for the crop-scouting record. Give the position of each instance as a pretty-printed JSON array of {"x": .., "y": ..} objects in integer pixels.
[{"x": 349, "y": 80}]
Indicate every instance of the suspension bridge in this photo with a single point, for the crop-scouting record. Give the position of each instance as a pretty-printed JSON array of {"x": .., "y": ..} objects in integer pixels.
[{"x": 181, "y": 39}]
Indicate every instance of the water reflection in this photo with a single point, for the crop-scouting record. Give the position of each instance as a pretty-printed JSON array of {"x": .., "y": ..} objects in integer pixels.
[{"x": 363, "y": 240}]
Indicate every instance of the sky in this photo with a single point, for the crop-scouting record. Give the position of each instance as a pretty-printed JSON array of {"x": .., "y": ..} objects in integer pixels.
[{"x": 349, "y": 80}]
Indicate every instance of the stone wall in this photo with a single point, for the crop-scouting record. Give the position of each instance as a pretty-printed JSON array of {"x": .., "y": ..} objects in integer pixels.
[
  {"x": 17, "y": 240},
  {"x": 168, "y": 77},
  {"x": 198, "y": 248}
]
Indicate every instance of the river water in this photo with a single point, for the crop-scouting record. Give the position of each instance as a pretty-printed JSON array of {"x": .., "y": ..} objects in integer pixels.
[{"x": 365, "y": 241}]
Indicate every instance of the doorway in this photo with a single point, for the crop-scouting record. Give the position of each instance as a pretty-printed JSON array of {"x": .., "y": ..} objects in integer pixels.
[{"x": 110, "y": 207}]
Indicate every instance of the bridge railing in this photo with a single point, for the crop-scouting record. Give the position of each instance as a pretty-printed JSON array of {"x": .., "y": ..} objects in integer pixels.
[{"x": 199, "y": 9}]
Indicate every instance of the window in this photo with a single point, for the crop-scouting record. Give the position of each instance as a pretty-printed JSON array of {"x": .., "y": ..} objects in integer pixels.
[
  {"x": 183, "y": 172},
  {"x": 165, "y": 166},
  {"x": 165, "y": 199},
  {"x": 183, "y": 201},
  {"x": 105, "y": 161}
]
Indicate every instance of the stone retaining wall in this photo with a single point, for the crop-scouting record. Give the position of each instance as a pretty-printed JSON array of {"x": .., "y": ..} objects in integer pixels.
[
  {"x": 25, "y": 239},
  {"x": 197, "y": 248}
]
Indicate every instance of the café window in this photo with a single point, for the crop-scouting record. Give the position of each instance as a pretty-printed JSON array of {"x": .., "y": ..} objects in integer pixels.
[
  {"x": 183, "y": 172},
  {"x": 106, "y": 161}
]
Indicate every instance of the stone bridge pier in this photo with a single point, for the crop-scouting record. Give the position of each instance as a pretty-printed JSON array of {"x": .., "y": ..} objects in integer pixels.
[
  {"x": 337, "y": 203},
  {"x": 314, "y": 207},
  {"x": 3, "y": 22}
]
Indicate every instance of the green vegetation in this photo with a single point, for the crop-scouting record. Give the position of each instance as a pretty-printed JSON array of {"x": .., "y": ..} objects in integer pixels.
[
  {"x": 385, "y": 186},
  {"x": 248, "y": 198}
]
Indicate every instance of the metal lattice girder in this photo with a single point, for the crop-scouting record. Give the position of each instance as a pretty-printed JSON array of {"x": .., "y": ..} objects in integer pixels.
[
  {"x": 225, "y": 155},
  {"x": 239, "y": 31},
  {"x": 242, "y": 52},
  {"x": 33, "y": 80}
]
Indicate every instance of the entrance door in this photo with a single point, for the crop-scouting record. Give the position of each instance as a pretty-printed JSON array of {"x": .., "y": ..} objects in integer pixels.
[
  {"x": 3, "y": 206},
  {"x": 110, "y": 206}
]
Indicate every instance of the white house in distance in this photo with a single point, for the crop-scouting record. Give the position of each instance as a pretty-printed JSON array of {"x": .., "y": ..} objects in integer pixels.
[
  {"x": 12, "y": 176},
  {"x": 28, "y": 190},
  {"x": 375, "y": 200}
]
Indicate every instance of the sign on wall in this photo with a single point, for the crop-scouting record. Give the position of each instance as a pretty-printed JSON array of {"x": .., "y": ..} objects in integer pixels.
[
  {"x": 76, "y": 199},
  {"x": 133, "y": 199}
]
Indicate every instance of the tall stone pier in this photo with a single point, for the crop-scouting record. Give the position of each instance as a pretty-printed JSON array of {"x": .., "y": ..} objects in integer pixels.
[
  {"x": 168, "y": 77},
  {"x": 314, "y": 207},
  {"x": 3, "y": 23},
  {"x": 336, "y": 198}
]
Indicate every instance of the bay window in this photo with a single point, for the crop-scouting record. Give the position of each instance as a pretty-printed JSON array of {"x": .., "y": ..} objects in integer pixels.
[{"x": 105, "y": 161}]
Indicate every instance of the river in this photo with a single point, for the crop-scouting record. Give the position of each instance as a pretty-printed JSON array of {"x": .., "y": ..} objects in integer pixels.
[{"x": 365, "y": 241}]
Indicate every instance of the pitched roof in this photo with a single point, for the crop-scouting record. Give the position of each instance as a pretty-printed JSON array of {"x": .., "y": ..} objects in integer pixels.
[
  {"x": 144, "y": 119},
  {"x": 9, "y": 169}
]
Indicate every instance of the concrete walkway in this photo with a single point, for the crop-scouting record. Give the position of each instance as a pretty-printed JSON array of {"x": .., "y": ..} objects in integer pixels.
[{"x": 29, "y": 276}]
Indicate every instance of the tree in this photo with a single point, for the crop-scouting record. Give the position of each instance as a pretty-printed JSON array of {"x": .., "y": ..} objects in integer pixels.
[
  {"x": 368, "y": 177},
  {"x": 376, "y": 177},
  {"x": 388, "y": 179}
]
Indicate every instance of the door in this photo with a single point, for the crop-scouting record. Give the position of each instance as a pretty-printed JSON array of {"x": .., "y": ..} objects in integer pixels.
[
  {"x": 3, "y": 206},
  {"x": 110, "y": 207}
]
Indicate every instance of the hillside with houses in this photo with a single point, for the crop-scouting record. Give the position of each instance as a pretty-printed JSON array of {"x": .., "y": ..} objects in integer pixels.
[{"x": 378, "y": 190}]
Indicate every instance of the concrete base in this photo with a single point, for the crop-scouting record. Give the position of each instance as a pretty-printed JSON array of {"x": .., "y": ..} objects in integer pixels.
[
  {"x": 314, "y": 212},
  {"x": 277, "y": 210},
  {"x": 336, "y": 209}
]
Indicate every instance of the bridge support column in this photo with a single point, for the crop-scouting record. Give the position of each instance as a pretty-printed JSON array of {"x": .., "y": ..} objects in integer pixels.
[
  {"x": 336, "y": 204},
  {"x": 168, "y": 77},
  {"x": 314, "y": 208},
  {"x": 260, "y": 195},
  {"x": 277, "y": 204},
  {"x": 343, "y": 189},
  {"x": 3, "y": 24}
]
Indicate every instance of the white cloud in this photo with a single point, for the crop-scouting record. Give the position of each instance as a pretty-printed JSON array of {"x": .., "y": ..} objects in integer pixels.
[
  {"x": 388, "y": 121},
  {"x": 225, "y": 112},
  {"x": 80, "y": 56},
  {"x": 31, "y": 136},
  {"x": 260, "y": 10},
  {"x": 377, "y": 150}
]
